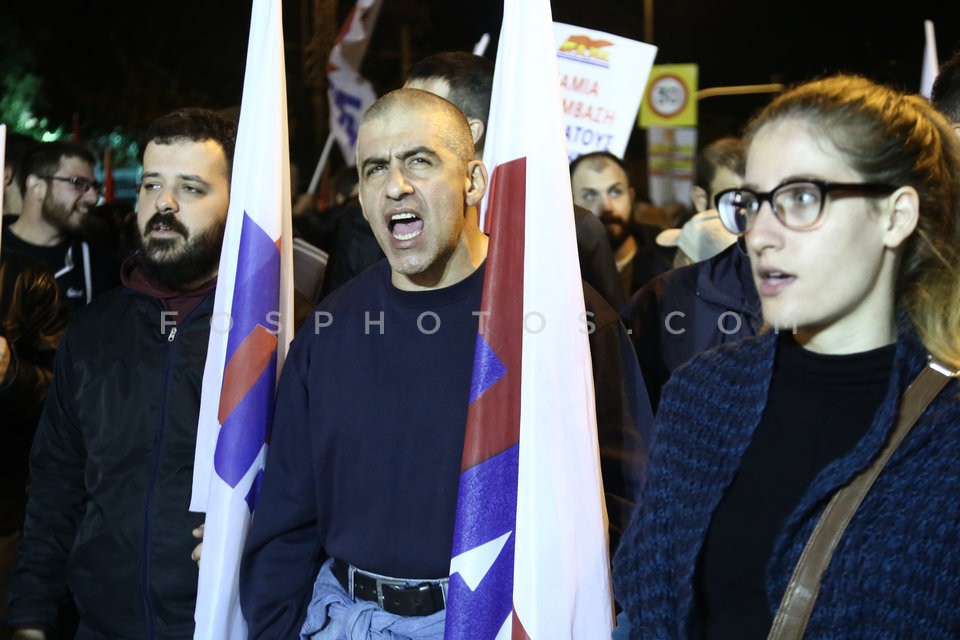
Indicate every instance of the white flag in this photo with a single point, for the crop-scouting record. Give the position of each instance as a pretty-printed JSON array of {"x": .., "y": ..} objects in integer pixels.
[
  {"x": 930, "y": 64},
  {"x": 350, "y": 94},
  {"x": 530, "y": 556},
  {"x": 250, "y": 330}
]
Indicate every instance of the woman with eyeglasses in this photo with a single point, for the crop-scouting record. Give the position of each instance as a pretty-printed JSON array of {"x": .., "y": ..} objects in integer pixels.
[{"x": 850, "y": 214}]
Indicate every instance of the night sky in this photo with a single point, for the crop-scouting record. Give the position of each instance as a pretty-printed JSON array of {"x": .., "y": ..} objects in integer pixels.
[{"x": 122, "y": 64}]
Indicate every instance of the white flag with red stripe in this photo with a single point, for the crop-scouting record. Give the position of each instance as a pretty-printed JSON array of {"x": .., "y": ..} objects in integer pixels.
[
  {"x": 530, "y": 556},
  {"x": 250, "y": 330}
]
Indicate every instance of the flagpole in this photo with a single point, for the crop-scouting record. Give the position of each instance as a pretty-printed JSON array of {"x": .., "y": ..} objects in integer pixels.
[{"x": 321, "y": 163}]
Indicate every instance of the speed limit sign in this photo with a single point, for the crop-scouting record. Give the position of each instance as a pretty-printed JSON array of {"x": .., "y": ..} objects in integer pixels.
[
  {"x": 668, "y": 95},
  {"x": 668, "y": 101}
]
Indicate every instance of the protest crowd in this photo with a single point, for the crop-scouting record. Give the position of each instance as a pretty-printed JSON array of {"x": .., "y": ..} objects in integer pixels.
[{"x": 478, "y": 383}]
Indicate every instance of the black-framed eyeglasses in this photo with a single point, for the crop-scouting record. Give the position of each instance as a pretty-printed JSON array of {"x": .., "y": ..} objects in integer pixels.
[
  {"x": 82, "y": 185},
  {"x": 798, "y": 204}
]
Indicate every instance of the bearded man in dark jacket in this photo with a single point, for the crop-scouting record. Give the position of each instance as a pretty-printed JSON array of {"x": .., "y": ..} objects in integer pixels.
[{"x": 112, "y": 461}]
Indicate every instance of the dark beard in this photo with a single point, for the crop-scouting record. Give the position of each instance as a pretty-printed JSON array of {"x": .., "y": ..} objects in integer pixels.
[
  {"x": 192, "y": 264},
  {"x": 617, "y": 229}
]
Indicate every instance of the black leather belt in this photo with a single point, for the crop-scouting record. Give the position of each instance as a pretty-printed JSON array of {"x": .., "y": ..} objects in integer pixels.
[{"x": 399, "y": 597}]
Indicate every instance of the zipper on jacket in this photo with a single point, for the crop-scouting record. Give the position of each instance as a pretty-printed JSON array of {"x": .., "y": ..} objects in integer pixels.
[{"x": 148, "y": 607}]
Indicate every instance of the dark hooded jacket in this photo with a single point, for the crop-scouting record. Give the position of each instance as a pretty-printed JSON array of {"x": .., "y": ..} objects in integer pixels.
[{"x": 685, "y": 311}]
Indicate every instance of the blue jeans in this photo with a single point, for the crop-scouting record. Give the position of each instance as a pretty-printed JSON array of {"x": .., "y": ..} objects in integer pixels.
[{"x": 334, "y": 615}]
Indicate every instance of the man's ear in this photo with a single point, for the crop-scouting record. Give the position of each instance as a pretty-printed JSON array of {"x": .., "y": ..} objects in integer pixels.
[
  {"x": 476, "y": 182},
  {"x": 698, "y": 196},
  {"x": 35, "y": 184},
  {"x": 476, "y": 129},
  {"x": 902, "y": 217},
  {"x": 7, "y": 176}
]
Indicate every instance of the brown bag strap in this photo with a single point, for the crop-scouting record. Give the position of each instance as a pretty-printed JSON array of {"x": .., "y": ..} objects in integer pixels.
[{"x": 801, "y": 594}]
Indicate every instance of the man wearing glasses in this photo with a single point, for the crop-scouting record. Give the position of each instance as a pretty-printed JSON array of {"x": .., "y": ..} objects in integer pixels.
[{"x": 59, "y": 192}]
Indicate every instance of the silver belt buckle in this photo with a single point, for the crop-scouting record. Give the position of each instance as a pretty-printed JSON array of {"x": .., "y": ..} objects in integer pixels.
[{"x": 392, "y": 583}]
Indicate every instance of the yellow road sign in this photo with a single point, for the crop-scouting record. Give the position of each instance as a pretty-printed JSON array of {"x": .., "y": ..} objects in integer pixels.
[{"x": 670, "y": 98}]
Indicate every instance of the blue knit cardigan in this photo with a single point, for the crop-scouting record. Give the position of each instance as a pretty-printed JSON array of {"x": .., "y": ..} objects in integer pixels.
[{"x": 895, "y": 573}]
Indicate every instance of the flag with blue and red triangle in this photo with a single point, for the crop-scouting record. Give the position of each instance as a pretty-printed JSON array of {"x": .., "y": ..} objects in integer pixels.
[
  {"x": 250, "y": 330},
  {"x": 530, "y": 557}
]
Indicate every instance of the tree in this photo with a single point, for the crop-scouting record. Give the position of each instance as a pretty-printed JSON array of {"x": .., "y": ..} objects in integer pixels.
[{"x": 22, "y": 90}]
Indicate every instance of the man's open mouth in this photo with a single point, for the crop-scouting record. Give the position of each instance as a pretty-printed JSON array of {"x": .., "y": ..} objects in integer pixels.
[{"x": 405, "y": 226}]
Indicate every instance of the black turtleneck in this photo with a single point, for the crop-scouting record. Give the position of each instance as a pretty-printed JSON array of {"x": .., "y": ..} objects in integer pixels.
[{"x": 818, "y": 407}]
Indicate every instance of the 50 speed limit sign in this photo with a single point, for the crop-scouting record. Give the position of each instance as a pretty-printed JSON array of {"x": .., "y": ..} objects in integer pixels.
[
  {"x": 669, "y": 99},
  {"x": 668, "y": 96}
]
